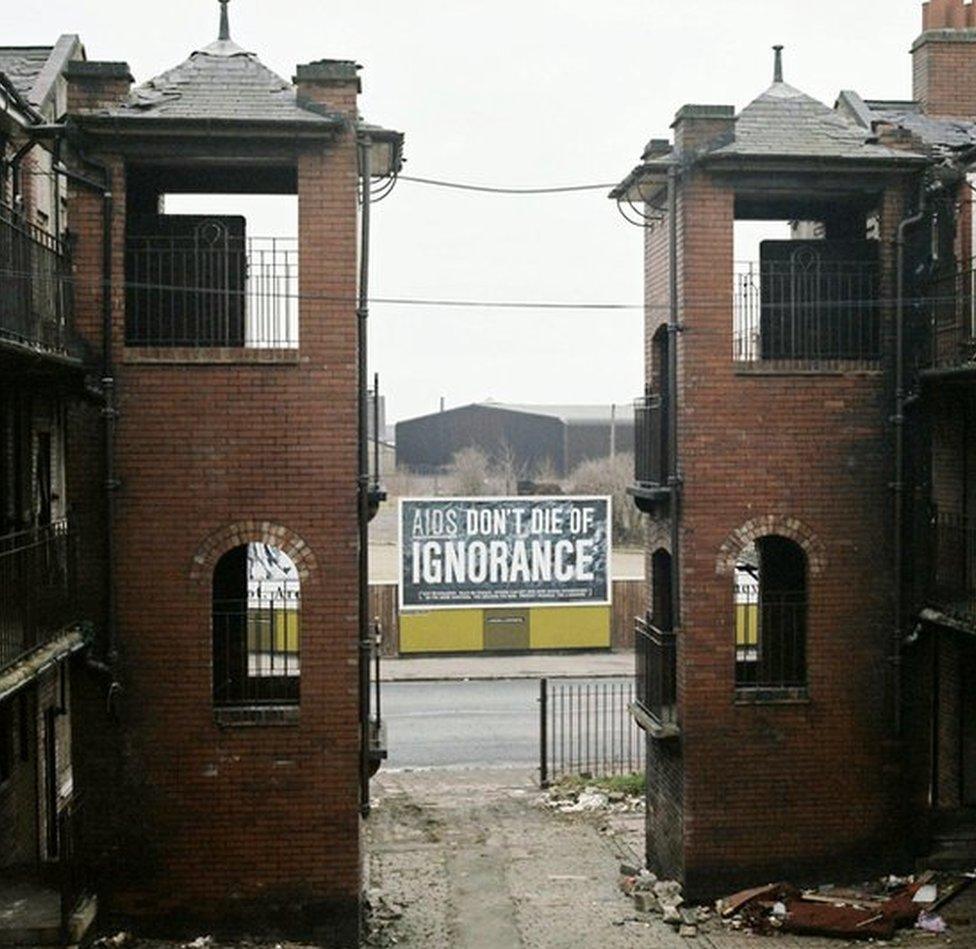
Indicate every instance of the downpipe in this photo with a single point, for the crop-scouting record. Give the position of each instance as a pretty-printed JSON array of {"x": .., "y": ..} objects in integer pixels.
[
  {"x": 674, "y": 329},
  {"x": 898, "y": 484},
  {"x": 364, "y": 146}
]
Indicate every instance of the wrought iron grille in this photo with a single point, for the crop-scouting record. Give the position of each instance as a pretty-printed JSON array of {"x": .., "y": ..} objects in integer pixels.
[
  {"x": 952, "y": 318},
  {"x": 770, "y": 638},
  {"x": 953, "y": 581},
  {"x": 586, "y": 729},
  {"x": 36, "y": 289},
  {"x": 257, "y": 646},
  {"x": 211, "y": 289},
  {"x": 37, "y": 588},
  {"x": 655, "y": 652},
  {"x": 651, "y": 461},
  {"x": 806, "y": 310}
]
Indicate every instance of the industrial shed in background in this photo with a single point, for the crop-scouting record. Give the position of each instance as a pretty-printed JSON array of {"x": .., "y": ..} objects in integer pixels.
[{"x": 534, "y": 437}]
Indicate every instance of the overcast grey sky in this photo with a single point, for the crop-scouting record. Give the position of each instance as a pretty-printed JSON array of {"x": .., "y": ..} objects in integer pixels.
[{"x": 521, "y": 93}]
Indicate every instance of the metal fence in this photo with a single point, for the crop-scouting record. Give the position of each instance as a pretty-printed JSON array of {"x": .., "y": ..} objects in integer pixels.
[
  {"x": 225, "y": 291},
  {"x": 586, "y": 729},
  {"x": 953, "y": 579},
  {"x": 37, "y": 588},
  {"x": 256, "y": 646},
  {"x": 655, "y": 652},
  {"x": 815, "y": 313},
  {"x": 650, "y": 441},
  {"x": 36, "y": 290},
  {"x": 952, "y": 318}
]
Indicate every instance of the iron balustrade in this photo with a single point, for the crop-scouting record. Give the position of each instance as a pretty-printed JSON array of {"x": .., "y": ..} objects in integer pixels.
[
  {"x": 806, "y": 314},
  {"x": 585, "y": 729},
  {"x": 953, "y": 574},
  {"x": 656, "y": 654},
  {"x": 37, "y": 588},
  {"x": 36, "y": 287},
  {"x": 771, "y": 638},
  {"x": 951, "y": 315},
  {"x": 216, "y": 291},
  {"x": 257, "y": 646},
  {"x": 651, "y": 461}
]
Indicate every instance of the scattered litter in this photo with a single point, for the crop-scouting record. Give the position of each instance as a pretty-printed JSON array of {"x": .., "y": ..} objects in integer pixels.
[
  {"x": 875, "y": 911},
  {"x": 201, "y": 942},
  {"x": 118, "y": 940},
  {"x": 931, "y": 923},
  {"x": 928, "y": 893},
  {"x": 591, "y": 800}
]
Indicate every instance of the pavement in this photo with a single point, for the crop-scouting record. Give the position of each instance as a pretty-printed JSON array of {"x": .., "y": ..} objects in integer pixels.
[{"x": 576, "y": 665}]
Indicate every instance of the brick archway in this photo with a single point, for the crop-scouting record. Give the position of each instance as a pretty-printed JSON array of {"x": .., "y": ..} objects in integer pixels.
[
  {"x": 790, "y": 527},
  {"x": 253, "y": 532}
]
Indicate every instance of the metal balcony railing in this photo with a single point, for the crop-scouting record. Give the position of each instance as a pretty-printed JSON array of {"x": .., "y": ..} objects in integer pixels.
[
  {"x": 37, "y": 588},
  {"x": 952, "y": 586},
  {"x": 806, "y": 313},
  {"x": 656, "y": 672},
  {"x": 36, "y": 288},
  {"x": 216, "y": 291},
  {"x": 651, "y": 463},
  {"x": 951, "y": 313}
]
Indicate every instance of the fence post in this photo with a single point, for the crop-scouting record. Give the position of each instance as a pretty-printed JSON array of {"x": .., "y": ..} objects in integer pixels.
[{"x": 543, "y": 733}]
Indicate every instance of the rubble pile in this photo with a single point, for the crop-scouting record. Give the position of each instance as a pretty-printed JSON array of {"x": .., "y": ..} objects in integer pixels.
[
  {"x": 382, "y": 915},
  {"x": 590, "y": 799},
  {"x": 662, "y": 898},
  {"x": 874, "y": 911}
]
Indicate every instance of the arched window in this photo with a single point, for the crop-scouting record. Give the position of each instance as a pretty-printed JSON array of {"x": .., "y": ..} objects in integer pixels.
[
  {"x": 256, "y": 622},
  {"x": 771, "y": 615}
]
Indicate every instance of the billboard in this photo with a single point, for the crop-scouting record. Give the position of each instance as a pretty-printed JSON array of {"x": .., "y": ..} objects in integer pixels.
[{"x": 495, "y": 552}]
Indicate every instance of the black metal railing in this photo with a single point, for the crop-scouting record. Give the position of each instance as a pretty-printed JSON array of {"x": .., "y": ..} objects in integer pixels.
[
  {"x": 37, "y": 588},
  {"x": 655, "y": 652},
  {"x": 770, "y": 639},
  {"x": 226, "y": 291},
  {"x": 585, "y": 728},
  {"x": 951, "y": 313},
  {"x": 817, "y": 312},
  {"x": 651, "y": 461},
  {"x": 36, "y": 288},
  {"x": 953, "y": 574},
  {"x": 257, "y": 648}
]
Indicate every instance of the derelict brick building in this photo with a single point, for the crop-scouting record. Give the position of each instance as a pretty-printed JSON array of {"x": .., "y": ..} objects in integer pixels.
[
  {"x": 806, "y": 668},
  {"x": 533, "y": 438},
  {"x": 227, "y": 380}
]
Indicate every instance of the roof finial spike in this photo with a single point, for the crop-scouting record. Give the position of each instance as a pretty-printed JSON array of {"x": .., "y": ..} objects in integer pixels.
[
  {"x": 224, "y": 21},
  {"x": 778, "y": 67}
]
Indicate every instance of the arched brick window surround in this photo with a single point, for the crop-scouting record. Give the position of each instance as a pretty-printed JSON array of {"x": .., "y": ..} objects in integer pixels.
[
  {"x": 253, "y": 532},
  {"x": 790, "y": 527}
]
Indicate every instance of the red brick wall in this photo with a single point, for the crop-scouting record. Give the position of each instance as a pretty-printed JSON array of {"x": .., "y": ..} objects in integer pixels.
[
  {"x": 784, "y": 789},
  {"x": 238, "y": 819},
  {"x": 944, "y": 73}
]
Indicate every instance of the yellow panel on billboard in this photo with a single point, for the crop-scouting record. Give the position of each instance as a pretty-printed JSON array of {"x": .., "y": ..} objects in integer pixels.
[
  {"x": 570, "y": 627},
  {"x": 442, "y": 631}
]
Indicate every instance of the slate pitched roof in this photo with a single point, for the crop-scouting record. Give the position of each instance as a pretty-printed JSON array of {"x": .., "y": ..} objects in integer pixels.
[
  {"x": 23, "y": 64},
  {"x": 943, "y": 135},
  {"x": 220, "y": 82},
  {"x": 784, "y": 122}
]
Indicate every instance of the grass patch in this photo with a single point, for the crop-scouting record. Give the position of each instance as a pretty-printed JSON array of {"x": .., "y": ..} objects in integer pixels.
[{"x": 632, "y": 784}]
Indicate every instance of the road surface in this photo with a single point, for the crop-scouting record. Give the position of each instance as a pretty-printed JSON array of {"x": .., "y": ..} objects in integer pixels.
[{"x": 463, "y": 724}]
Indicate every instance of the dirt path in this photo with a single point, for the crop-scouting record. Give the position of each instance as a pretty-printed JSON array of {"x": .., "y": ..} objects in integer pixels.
[{"x": 467, "y": 859}]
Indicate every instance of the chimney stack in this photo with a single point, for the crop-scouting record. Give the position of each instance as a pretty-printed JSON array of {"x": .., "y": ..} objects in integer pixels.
[{"x": 944, "y": 59}]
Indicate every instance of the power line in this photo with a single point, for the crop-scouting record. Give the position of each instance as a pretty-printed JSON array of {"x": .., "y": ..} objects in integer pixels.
[
  {"x": 722, "y": 302},
  {"x": 486, "y": 189}
]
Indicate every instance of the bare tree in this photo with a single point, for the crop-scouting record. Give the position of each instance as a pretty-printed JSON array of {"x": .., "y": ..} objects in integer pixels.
[
  {"x": 468, "y": 472},
  {"x": 612, "y": 476}
]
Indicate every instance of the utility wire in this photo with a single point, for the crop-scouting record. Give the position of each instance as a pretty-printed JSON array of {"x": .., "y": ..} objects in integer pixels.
[
  {"x": 485, "y": 189},
  {"x": 723, "y": 302}
]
